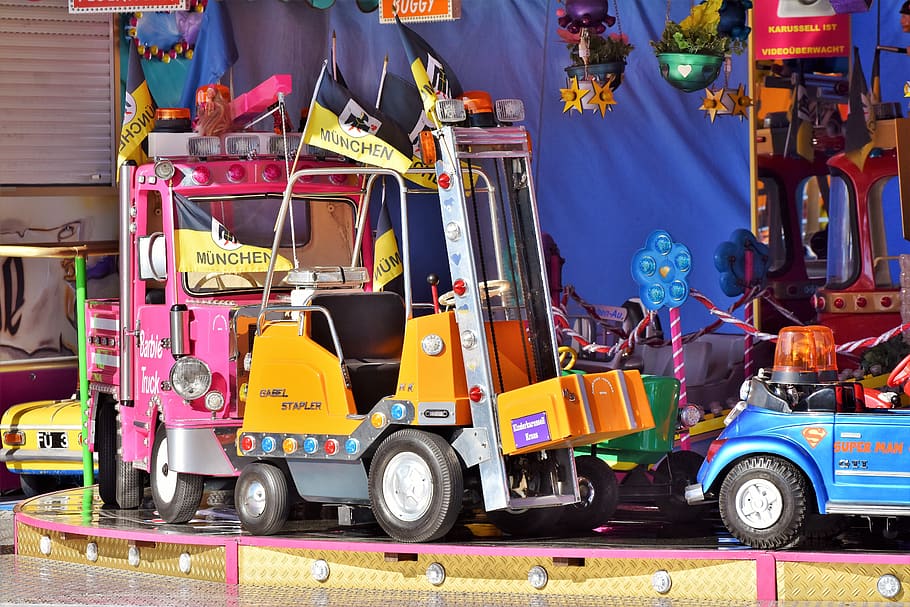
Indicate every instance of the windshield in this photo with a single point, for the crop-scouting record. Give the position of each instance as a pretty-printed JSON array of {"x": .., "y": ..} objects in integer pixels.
[
  {"x": 843, "y": 239},
  {"x": 225, "y": 244}
]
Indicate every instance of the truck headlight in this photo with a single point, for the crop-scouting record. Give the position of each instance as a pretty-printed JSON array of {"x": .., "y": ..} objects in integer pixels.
[{"x": 190, "y": 377}]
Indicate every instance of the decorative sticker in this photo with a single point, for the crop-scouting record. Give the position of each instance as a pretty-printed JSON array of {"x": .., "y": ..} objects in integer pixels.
[
  {"x": 531, "y": 429},
  {"x": 814, "y": 435}
]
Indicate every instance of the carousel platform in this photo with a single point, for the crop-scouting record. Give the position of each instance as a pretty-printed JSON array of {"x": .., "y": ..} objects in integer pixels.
[{"x": 638, "y": 558}]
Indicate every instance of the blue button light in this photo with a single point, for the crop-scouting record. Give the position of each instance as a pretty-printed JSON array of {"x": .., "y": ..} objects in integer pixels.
[
  {"x": 310, "y": 445},
  {"x": 398, "y": 411},
  {"x": 268, "y": 444},
  {"x": 351, "y": 446}
]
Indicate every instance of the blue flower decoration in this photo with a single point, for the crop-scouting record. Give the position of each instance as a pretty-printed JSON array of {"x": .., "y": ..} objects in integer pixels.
[
  {"x": 733, "y": 19},
  {"x": 661, "y": 270},
  {"x": 730, "y": 261}
]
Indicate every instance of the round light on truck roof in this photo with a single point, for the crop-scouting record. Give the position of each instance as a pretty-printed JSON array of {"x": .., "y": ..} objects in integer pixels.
[{"x": 190, "y": 377}]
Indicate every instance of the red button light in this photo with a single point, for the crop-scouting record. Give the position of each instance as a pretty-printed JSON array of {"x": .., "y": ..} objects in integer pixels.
[
  {"x": 475, "y": 394},
  {"x": 247, "y": 443},
  {"x": 839, "y": 302},
  {"x": 271, "y": 172},
  {"x": 861, "y": 302},
  {"x": 202, "y": 176},
  {"x": 236, "y": 173},
  {"x": 886, "y": 302},
  {"x": 459, "y": 287},
  {"x": 331, "y": 446},
  {"x": 445, "y": 181}
]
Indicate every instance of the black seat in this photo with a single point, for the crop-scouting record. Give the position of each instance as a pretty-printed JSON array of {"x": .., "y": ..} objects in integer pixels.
[{"x": 370, "y": 329}]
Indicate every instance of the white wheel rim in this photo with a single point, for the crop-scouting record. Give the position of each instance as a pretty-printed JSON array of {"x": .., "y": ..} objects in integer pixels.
[
  {"x": 165, "y": 479},
  {"x": 254, "y": 499},
  {"x": 759, "y": 503},
  {"x": 407, "y": 486}
]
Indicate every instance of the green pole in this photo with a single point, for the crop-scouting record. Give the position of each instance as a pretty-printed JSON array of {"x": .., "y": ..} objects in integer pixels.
[{"x": 88, "y": 469}]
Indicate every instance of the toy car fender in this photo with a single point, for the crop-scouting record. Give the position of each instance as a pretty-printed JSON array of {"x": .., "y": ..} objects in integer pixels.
[{"x": 713, "y": 471}]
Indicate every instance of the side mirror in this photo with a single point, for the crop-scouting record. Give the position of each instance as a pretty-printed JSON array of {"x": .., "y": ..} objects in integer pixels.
[{"x": 152, "y": 257}]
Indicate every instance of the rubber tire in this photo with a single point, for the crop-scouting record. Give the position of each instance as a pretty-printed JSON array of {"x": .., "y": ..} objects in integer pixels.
[
  {"x": 529, "y": 522},
  {"x": 445, "y": 480},
  {"x": 678, "y": 470},
  {"x": 37, "y": 484},
  {"x": 786, "y": 530},
  {"x": 119, "y": 483},
  {"x": 269, "y": 485},
  {"x": 179, "y": 505},
  {"x": 599, "y": 495}
]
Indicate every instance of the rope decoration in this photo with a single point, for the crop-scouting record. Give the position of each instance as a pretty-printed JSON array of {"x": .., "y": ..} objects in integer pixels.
[{"x": 627, "y": 343}]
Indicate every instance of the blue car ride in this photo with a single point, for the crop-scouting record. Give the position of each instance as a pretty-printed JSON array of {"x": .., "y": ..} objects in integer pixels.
[{"x": 801, "y": 449}]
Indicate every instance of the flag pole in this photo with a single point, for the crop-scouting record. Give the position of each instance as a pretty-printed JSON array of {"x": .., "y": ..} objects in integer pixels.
[
  {"x": 334, "y": 63},
  {"x": 385, "y": 70}
]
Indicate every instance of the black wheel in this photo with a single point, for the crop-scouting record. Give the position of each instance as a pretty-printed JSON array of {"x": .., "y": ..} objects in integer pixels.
[
  {"x": 119, "y": 483},
  {"x": 527, "y": 522},
  {"x": 176, "y": 494},
  {"x": 599, "y": 491},
  {"x": 261, "y": 499},
  {"x": 676, "y": 471},
  {"x": 416, "y": 486},
  {"x": 36, "y": 484},
  {"x": 763, "y": 502},
  {"x": 822, "y": 527}
]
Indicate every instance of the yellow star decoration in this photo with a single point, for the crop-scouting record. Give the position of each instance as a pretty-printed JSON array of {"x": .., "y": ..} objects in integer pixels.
[
  {"x": 713, "y": 103},
  {"x": 741, "y": 102},
  {"x": 603, "y": 96},
  {"x": 573, "y": 96}
]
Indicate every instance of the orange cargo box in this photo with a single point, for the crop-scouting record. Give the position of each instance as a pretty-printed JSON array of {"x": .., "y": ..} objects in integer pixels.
[{"x": 573, "y": 410}]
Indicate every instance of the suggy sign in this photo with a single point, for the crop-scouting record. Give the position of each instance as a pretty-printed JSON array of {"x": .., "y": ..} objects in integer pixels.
[
  {"x": 791, "y": 29},
  {"x": 125, "y": 6}
]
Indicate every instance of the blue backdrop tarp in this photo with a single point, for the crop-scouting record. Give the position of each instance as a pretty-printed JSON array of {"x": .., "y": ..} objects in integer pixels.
[{"x": 603, "y": 184}]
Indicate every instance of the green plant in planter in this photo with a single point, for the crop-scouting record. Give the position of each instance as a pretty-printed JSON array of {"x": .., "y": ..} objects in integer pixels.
[
  {"x": 697, "y": 34},
  {"x": 610, "y": 49}
]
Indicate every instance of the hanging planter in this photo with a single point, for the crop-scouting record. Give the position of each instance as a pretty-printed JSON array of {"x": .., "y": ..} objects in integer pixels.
[
  {"x": 598, "y": 60},
  {"x": 601, "y": 72},
  {"x": 689, "y": 71},
  {"x": 691, "y": 52}
]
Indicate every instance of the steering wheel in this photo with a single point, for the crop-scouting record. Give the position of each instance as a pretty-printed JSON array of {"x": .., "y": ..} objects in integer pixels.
[
  {"x": 493, "y": 287},
  {"x": 567, "y": 358},
  {"x": 218, "y": 277},
  {"x": 900, "y": 374}
]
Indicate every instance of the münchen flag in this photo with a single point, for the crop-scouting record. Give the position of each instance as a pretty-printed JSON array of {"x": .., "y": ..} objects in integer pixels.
[
  {"x": 400, "y": 101},
  {"x": 138, "y": 112},
  {"x": 433, "y": 76},
  {"x": 339, "y": 122},
  {"x": 386, "y": 257}
]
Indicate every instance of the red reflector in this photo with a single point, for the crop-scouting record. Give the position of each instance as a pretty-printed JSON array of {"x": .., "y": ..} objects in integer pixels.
[
  {"x": 271, "y": 172},
  {"x": 839, "y": 302},
  {"x": 860, "y": 302},
  {"x": 886, "y": 302},
  {"x": 713, "y": 448},
  {"x": 459, "y": 287},
  {"x": 14, "y": 439},
  {"x": 445, "y": 181},
  {"x": 475, "y": 394}
]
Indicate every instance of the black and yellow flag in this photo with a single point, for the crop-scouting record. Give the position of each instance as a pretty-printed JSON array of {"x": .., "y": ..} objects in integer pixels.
[
  {"x": 204, "y": 244},
  {"x": 860, "y": 123},
  {"x": 400, "y": 101},
  {"x": 340, "y": 123},
  {"x": 386, "y": 257},
  {"x": 432, "y": 75},
  {"x": 802, "y": 120},
  {"x": 138, "y": 112}
]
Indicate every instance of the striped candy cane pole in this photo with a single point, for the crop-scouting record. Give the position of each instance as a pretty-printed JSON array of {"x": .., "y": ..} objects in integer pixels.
[
  {"x": 679, "y": 369},
  {"x": 749, "y": 344}
]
